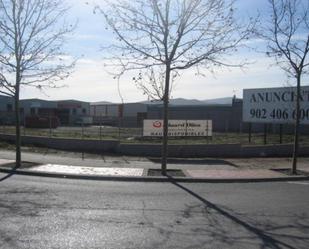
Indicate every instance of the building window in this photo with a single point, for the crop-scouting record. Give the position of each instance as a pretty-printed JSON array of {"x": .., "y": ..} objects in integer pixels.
[
  {"x": 74, "y": 111},
  {"x": 84, "y": 111},
  {"x": 9, "y": 107},
  {"x": 32, "y": 111},
  {"x": 21, "y": 111}
]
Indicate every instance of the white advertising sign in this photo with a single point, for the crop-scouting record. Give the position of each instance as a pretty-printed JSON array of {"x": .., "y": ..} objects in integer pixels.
[
  {"x": 275, "y": 105},
  {"x": 180, "y": 128}
]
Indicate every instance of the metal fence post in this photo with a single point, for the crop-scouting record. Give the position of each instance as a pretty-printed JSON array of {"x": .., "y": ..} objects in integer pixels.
[
  {"x": 24, "y": 125},
  {"x": 250, "y": 133},
  {"x": 265, "y": 134},
  {"x": 83, "y": 154},
  {"x": 119, "y": 128},
  {"x": 280, "y": 133},
  {"x": 82, "y": 129},
  {"x": 50, "y": 126},
  {"x": 100, "y": 130}
]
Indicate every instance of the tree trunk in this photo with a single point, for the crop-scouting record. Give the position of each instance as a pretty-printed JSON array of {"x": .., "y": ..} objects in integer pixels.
[
  {"x": 165, "y": 120},
  {"x": 297, "y": 124},
  {"x": 17, "y": 127},
  {"x": 17, "y": 43}
]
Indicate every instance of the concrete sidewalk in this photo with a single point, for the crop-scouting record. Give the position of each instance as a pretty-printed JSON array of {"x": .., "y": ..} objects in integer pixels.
[
  {"x": 49, "y": 156},
  {"x": 215, "y": 173}
]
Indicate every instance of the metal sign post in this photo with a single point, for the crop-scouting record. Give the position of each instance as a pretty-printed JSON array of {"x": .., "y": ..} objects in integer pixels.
[
  {"x": 280, "y": 133},
  {"x": 250, "y": 133},
  {"x": 265, "y": 134}
]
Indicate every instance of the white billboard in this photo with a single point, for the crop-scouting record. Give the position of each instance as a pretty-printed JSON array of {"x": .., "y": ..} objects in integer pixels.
[
  {"x": 178, "y": 128},
  {"x": 275, "y": 105}
]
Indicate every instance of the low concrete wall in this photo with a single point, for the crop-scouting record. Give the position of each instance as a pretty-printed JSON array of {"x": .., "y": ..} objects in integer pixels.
[
  {"x": 67, "y": 143},
  {"x": 197, "y": 150},
  {"x": 154, "y": 150},
  {"x": 278, "y": 150}
]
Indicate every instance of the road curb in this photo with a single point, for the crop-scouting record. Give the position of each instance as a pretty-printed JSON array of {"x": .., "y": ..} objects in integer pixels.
[{"x": 151, "y": 178}]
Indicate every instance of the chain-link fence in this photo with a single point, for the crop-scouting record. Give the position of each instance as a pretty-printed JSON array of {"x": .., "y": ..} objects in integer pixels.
[{"x": 129, "y": 133}]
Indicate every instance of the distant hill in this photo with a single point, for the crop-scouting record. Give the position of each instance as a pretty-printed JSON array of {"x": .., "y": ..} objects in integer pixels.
[
  {"x": 182, "y": 101},
  {"x": 100, "y": 103},
  {"x": 219, "y": 101}
]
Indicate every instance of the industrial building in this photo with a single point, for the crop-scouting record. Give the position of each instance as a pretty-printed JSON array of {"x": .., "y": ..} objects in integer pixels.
[
  {"x": 127, "y": 115},
  {"x": 69, "y": 112},
  {"x": 6, "y": 110},
  {"x": 226, "y": 117},
  {"x": 73, "y": 112}
]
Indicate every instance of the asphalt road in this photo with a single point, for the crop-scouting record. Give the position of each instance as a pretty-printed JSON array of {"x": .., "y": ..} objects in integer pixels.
[{"x": 60, "y": 213}]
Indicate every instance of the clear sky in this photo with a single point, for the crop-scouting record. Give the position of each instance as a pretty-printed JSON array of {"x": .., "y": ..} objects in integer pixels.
[{"x": 91, "y": 82}]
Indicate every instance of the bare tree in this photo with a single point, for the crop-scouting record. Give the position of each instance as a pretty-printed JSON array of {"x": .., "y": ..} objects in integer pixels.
[
  {"x": 173, "y": 34},
  {"x": 151, "y": 82},
  {"x": 288, "y": 42},
  {"x": 32, "y": 35}
]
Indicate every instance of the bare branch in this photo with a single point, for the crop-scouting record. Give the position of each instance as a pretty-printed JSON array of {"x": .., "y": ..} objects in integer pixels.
[
  {"x": 288, "y": 35},
  {"x": 31, "y": 38},
  {"x": 177, "y": 34}
]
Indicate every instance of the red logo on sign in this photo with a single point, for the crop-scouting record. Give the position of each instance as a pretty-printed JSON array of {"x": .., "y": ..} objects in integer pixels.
[{"x": 157, "y": 124}]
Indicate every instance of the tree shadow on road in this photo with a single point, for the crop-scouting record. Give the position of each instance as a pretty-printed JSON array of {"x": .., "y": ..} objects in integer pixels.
[
  {"x": 268, "y": 234},
  {"x": 6, "y": 176},
  {"x": 11, "y": 171},
  {"x": 195, "y": 161}
]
